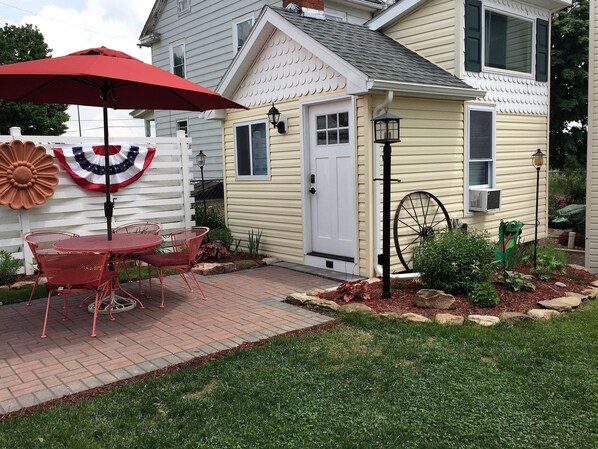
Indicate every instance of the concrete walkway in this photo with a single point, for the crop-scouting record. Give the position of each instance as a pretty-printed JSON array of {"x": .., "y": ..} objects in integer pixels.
[{"x": 242, "y": 307}]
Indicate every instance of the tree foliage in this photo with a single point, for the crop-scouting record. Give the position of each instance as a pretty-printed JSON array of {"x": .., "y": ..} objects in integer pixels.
[
  {"x": 26, "y": 43},
  {"x": 569, "y": 84}
]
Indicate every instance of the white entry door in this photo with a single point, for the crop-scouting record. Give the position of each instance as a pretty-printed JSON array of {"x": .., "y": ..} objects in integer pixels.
[{"x": 331, "y": 181}]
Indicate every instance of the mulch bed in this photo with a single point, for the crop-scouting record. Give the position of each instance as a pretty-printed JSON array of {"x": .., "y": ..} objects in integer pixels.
[{"x": 403, "y": 299}]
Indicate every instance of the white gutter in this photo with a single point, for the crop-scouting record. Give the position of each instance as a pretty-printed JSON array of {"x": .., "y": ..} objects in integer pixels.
[{"x": 426, "y": 90}]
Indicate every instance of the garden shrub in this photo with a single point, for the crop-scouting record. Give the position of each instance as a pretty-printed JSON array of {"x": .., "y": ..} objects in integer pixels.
[
  {"x": 549, "y": 260},
  {"x": 516, "y": 281},
  {"x": 555, "y": 202},
  {"x": 222, "y": 233},
  {"x": 484, "y": 294},
  {"x": 453, "y": 261},
  {"x": 349, "y": 291},
  {"x": 8, "y": 267},
  {"x": 212, "y": 219}
]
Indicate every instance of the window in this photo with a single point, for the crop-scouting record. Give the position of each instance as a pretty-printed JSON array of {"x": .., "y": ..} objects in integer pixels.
[
  {"x": 177, "y": 60},
  {"x": 499, "y": 41},
  {"x": 181, "y": 125},
  {"x": 183, "y": 6},
  {"x": 332, "y": 128},
  {"x": 251, "y": 150},
  {"x": 508, "y": 42},
  {"x": 241, "y": 32},
  {"x": 480, "y": 146}
]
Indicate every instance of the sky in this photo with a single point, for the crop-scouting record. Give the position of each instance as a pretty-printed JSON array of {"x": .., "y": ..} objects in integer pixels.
[{"x": 72, "y": 25}]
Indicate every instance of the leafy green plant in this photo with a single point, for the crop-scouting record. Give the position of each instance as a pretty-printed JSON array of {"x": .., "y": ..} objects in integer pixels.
[
  {"x": 237, "y": 245},
  {"x": 8, "y": 267},
  {"x": 484, "y": 294},
  {"x": 253, "y": 242},
  {"x": 349, "y": 291},
  {"x": 223, "y": 234},
  {"x": 453, "y": 261},
  {"x": 549, "y": 260},
  {"x": 555, "y": 202},
  {"x": 516, "y": 281},
  {"x": 212, "y": 219}
]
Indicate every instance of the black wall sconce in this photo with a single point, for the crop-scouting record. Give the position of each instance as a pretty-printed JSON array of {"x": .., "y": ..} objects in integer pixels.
[{"x": 274, "y": 119}]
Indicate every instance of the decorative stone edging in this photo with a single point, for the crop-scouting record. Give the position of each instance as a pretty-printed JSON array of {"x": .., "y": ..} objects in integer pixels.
[{"x": 550, "y": 308}]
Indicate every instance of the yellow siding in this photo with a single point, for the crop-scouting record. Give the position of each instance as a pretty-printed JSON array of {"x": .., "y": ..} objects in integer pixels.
[
  {"x": 365, "y": 231},
  {"x": 431, "y": 157},
  {"x": 430, "y": 32},
  {"x": 274, "y": 205},
  {"x": 517, "y": 138},
  {"x": 592, "y": 188}
]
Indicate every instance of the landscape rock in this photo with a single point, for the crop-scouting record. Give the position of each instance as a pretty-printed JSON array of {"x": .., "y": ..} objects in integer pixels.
[
  {"x": 542, "y": 314},
  {"x": 513, "y": 317},
  {"x": 21, "y": 284},
  {"x": 42, "y": 281},
  {"x": 483, "y": 320},
  {"x": 434, "y": 299},
  {"x": 415, "y": 318},
  {"x": 560, "y": 284},
  {"x": 372, "y": 280},
  {"x": 208, "y": 269},
  {"x": 299, "y": 299},
  {"x": 390, "y": 315},
  {"x": 270, "y": 260},
  {"x": 4, "y": 288},
  {"x": 575, "y": 295},
  {"x": 356, "y": 307},
  {"x": 577, "y": 267},
  {"x": 563, "y": 304},
  {"x": 590, "y": 293},
  {"x": 315, "y": 291},
  {"x": 245, "y": 264},
  {"x": 594, "y": 284},
  {"x": 322, "y": 304},
  {"x": 447, "y": 318}
]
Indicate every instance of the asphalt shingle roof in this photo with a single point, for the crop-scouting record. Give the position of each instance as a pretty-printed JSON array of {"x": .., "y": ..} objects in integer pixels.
[{"x": 378, "y": 56}]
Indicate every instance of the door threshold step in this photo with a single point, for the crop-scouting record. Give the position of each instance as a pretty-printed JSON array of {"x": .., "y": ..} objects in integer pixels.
[{"x": 331, "y": 256}]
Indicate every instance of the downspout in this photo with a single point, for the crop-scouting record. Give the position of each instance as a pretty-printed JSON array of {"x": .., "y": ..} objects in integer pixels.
[{"x": 376, "y": 165}]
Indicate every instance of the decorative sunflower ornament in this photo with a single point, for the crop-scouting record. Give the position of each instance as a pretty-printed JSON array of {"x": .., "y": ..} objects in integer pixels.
[{"x": 27, "y": 174}]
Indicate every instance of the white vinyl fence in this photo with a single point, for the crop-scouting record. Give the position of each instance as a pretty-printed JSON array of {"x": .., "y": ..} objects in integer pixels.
[{"x": 161, "y": 194}]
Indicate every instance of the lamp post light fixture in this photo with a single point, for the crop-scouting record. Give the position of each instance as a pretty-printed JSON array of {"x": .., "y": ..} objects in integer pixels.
[
  {"x": 274, "y": 119},
  {"x": 386, "y": 131},
  {"x": 201, "y": 161},
  {"x": 537, "y": 162}
]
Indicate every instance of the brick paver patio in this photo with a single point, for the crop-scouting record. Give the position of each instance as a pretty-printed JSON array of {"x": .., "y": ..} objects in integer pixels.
[{"x": 242, "y": 307}]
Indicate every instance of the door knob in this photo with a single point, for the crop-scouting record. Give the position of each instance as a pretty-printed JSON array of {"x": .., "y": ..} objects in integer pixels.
[{"x": 312, "y": 190}]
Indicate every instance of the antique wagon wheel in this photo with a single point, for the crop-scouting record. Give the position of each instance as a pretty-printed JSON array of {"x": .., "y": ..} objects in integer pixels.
[{"x": 418, "y": 215}]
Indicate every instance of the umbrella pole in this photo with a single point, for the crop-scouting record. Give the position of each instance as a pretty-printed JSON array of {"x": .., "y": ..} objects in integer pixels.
[{"x": 108, "y": 205}]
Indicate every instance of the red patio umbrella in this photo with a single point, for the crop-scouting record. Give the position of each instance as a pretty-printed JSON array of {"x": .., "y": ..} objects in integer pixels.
[{"x": 106, "y": 78}]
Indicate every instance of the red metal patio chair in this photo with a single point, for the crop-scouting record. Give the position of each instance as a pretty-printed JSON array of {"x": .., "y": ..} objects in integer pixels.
[
  {"x": 41, "y": 242},
  {"x": 77, "y": 273},
  {"x": 186, "y": 245},
  {"x": 136, "y": 227}
]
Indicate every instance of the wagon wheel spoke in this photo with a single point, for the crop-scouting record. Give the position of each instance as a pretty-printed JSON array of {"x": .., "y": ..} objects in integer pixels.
[{"x": 417, "y": 216}]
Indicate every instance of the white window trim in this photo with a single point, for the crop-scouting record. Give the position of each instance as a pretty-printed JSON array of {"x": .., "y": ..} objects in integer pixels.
[
  {"x": 171, "y": 54},
  {"x": 235, "y": 34},
  {"x": 265, "y": 177},
  {"x": 184, "y": 11},
  {"x": 505, "y": 72},
  {"x": 492, "y": 174}
]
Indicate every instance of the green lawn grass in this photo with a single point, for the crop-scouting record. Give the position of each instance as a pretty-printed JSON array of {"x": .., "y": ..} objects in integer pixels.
[{"x": 363, "y": 384}]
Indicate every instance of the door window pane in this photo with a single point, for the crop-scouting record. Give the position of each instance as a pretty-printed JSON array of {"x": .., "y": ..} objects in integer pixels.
[{"x": 332, "y": 129}]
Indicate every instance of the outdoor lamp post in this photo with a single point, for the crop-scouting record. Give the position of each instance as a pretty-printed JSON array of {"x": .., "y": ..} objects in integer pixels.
[
  {"x": 386, "y": 131},
  {"x": 537, "y": 162},
  {"x": 201, "y": 161}
]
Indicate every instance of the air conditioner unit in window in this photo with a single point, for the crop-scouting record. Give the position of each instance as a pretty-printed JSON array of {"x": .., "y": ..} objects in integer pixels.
[{"x": 484, "y": 200}]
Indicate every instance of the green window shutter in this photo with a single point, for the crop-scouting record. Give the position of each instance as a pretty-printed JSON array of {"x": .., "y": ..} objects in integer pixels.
[
  {"x": 473, "y": 35},
  {"x": 541, "y": 50}
]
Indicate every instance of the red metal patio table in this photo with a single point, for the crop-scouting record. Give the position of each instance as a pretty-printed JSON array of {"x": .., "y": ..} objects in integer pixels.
[{"x": 120, "y": 243}]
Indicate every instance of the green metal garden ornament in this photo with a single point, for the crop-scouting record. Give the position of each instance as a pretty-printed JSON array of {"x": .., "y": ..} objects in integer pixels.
[{"x": 508, "y": 233}]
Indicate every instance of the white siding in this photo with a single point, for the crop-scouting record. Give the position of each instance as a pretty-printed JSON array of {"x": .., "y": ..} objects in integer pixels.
[{"x": 592, "y": 188}]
